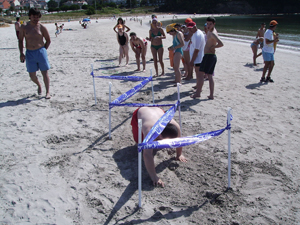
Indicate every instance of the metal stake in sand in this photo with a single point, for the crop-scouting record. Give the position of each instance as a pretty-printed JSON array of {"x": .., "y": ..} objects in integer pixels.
[
  {"x": 94, "y": 84},
  {"x": 229, "y": 151},
  {"x": 179, "y": 111},
  {"x": 109, "y": 112},
  {"x": 140, "y": 164},
  {"x": 152, "y": 86}
]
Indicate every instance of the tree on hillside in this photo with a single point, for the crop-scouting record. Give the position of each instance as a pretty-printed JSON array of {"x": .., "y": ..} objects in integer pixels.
[{"x": 52, "y": 4}]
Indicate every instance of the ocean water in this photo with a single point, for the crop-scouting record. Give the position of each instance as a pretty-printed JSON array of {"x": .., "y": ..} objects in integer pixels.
[{"x": 244, "y": 28}]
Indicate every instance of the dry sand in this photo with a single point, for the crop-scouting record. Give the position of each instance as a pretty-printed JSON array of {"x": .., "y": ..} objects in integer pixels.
[{"x": 57, "y": 166}]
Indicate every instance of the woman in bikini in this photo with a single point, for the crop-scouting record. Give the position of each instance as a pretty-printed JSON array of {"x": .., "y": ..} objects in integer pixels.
[
  {"x": 156, "y": 35},
  {"x": 178, "y": 43},
  {"x": 254, "y": 46},
  {"x": 123, "y": 40}
]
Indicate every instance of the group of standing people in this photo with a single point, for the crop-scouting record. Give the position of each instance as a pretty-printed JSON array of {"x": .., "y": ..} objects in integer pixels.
[{"x": 196, "y": 48}]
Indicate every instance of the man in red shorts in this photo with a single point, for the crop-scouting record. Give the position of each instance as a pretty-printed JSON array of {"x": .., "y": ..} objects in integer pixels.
[{"x": 149, "y": 116}]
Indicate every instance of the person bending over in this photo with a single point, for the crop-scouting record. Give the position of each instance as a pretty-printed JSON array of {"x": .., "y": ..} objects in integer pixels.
[{"x": 139, "y": 46}]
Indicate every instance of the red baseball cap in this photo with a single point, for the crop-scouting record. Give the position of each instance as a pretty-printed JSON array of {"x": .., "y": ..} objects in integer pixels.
[{"x": 191, "y": 24}]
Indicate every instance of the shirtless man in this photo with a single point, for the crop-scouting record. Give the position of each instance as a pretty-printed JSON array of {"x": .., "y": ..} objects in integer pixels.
[
  {"x": 149, "y": 116},
  {"x": 209, "y": 61},
  {"x": 260, "y": 33},
  {"x": 17, "y": 26},
  {"x": 36, "y": 50},
  {"x": 139, "y": 46}
]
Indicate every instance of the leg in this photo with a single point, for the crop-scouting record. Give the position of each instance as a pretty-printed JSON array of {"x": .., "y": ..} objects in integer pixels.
[
  {"x": 270, "y": 69},
  {"x": 36, "y": 81},
  {"x": 120, "y": 55},
  {"x": 160, "y": 57},
  {"x": 154, "y": 54},
  {"x": 266, "y": 67},
  {"x": 137, "y": 57},
  {"x": 47, "y": 83},
  {"x": 144, "y": 58},
  {"x": 200, "y": 82},
  {"x": 254, "y": 50},
  {"x": 126, "y": 49},
  {"x": 176, "y": 59},
  {"x": 211, "y": 86}
]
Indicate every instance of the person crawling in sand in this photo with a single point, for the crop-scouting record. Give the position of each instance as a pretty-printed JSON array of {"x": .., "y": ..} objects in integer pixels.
[
  {"x": 36, "y": 50},
  {"x": 149, "y": 116}
]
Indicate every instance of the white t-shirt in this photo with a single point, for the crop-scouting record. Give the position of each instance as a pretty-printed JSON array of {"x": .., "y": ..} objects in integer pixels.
[
  {"x": 197, "y": 42},
  {"x": 268, "y": 47}
]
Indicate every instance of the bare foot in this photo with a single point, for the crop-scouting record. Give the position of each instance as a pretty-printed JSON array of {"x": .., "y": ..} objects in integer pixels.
[
  {"x": 195, "y": 87},
  {"x": 195, "y": 96},
  {"x": 48, "y": 96},
  {"x": 155, "y": 75},
  {"x": 137, "y": 69},
  {"x": 210, "y": 97},
  {"x": 187, "y": 78},
  {"x": 39, "y": 91},
  {"x": 162, "y": 74}
]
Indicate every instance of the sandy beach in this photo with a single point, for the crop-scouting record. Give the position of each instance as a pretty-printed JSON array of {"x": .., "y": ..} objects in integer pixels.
[{"x": 58, "y": 167}]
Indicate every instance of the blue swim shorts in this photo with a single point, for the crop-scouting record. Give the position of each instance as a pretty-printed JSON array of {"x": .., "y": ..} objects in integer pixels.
[
  {"x": 37, "y": 60},
  {"x": 268, "y": 56}
]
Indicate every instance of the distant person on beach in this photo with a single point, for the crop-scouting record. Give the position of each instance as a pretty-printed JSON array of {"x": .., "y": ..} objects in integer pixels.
[
  {"x": 176, "y": 48},
  {"x": 268, "y": 51},
  {"x": 156, "y": 34},
  {"x": 123, "y": 40},
  {"x": 120, "y": 21},
  {"x": 196, "y": 51},
  {"x": 36, "y": 50},
  {"x": 261, "y": 33},
  {"x": 209, "y": 61},
  {"x": 149, "y": 116},
  {"x": 139, "y": 46},
  {"x": 57, "y": 29},
  {"x": 254, "y": 47},
  {"x": 61, "y": 27},
  {"x": 17, "y": 26}
]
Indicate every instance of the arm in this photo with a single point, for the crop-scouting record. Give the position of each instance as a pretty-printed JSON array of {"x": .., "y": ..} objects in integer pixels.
[
  {"x": 162, "y": 33},
  {"x": 118, "y": 39},
  {"x": 127, "y": 38},
  {"x": 149, "y": 38},
  {"x": 115, "y": 28},
  {"x": 21, "y": 46},
  {"x": 132, "y": 46},
  {"x": 128, "y": 29},
  {"x": 272, "y": 41},
  {"x": 179, "y": 155},
  {"x": 195, "y": 54},
  {"x": 46, "y": 36},
  {"x": 219, "y": 42},
  {"x": 180, "y": 38},
  {"x": 149, "y": 164}
]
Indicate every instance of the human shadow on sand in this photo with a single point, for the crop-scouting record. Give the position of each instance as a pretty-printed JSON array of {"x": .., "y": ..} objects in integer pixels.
[
  {"x": 158, "y": 215},
  {"x": 256, "y": 85},
  {"x": 127, "y": 161},
  {"x": 17, "y": 102}
]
